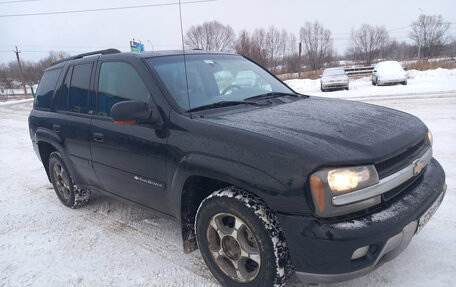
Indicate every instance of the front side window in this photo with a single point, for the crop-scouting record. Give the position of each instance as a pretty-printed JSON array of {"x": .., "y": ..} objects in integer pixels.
[
  {"x": 213, "y": 78},
  {"x": 79, "y": 88},
  {"x": 119, "y": 82}
]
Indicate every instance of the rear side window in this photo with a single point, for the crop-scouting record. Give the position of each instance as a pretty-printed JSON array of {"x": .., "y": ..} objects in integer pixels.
[
  {"x": 46, "y": 89},
  {"x": 119, "y": 82},
  {"x": 79, "y": 88},
  {"x": 63, "y": 99}
]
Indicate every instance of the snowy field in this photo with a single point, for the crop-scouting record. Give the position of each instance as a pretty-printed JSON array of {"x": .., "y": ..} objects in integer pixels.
[
  {"x": 109, "y": 243},
  {"x": 419, "y": 83}
]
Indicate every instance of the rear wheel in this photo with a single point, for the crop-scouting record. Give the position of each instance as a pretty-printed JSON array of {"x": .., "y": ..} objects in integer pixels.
[
  {"x": 404, "y": 83},
  {"x": 67, "y": 192},
  {"x": 241, "y": 241}
]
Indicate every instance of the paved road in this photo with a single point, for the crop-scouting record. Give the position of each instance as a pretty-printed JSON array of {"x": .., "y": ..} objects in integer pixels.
[{"x": 108, "y": 243}]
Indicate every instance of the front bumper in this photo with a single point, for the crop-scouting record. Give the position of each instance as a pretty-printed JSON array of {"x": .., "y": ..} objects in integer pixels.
[
  {"x": 334, "y": 85},
  {"x": 391, "y": 81},
  {"x": 321, "y": 250}
]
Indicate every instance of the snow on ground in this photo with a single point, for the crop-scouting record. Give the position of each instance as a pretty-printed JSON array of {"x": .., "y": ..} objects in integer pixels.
[
  {"x": 419, "y": 82},
  {"x": 15, "y": 101},
  {"x": 109, "y": 243}
]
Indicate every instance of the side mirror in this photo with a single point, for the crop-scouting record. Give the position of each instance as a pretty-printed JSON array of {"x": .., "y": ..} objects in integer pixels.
[{"x": 132, "y": 112}]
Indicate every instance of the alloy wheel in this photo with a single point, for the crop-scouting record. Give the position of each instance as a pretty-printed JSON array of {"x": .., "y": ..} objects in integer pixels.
[{"x": 233, "y": 247}]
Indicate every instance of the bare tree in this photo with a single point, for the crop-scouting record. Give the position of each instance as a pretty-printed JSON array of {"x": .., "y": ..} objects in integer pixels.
[
  {"x": 276, "y": 47},
  {"x": 368, "y": 42},
  {"x": 429, "y": 32},
  {"x": 317, "y": 44},
  {"x": 33, "y": 71},
  {"x": 267, "y": 48},
  {"x": 211, "y": 36},
  {"x": 399, "y": 50}
]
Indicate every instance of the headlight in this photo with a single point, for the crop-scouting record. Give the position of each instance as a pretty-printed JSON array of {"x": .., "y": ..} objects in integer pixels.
[
  {"x": 430, "y": 138},
  {"x": 327, "y": 183},
  {"x": 346, "y": 179}
]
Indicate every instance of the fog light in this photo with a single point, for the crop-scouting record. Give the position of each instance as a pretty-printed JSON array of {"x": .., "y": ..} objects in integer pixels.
[{"x": 360, "y": 252}]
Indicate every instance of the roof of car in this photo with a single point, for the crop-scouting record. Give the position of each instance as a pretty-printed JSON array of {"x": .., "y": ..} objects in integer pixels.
[
  {"x": 148, "y": 54},
  {"x": 177, "y": 52}
]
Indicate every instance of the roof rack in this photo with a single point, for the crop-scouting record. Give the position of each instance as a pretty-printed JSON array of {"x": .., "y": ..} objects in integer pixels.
[{"x": 99, "y": 52}]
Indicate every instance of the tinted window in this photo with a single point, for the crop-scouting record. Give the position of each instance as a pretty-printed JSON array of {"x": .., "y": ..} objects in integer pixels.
[
  {"x": 46, "y": 89},
  {"x": 119, "y": 82},
  {"x": 79, "y": 89},
  {"x": 63, "y": 98}
]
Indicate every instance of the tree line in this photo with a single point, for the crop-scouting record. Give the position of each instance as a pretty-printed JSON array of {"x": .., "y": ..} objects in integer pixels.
[
  {"x": 314, "y": 47},
  {"x": 281, "y": 51}
]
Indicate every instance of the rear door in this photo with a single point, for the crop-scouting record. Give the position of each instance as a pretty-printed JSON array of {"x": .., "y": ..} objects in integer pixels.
[
  {"x": 72, "y": 119},
  {"x": 130, "y": 160}
]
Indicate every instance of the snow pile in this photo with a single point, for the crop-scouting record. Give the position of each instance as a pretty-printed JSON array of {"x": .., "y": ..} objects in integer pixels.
[{"x": 419, "y": 82}]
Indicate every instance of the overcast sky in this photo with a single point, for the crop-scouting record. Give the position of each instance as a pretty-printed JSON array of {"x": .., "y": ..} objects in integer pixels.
[{"x": 159, "y": 26}]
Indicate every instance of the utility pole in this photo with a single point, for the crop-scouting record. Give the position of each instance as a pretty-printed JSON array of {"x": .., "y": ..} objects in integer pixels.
[
  {"x": 20, "y": 70},
  {"x": 299, "y": 60}
]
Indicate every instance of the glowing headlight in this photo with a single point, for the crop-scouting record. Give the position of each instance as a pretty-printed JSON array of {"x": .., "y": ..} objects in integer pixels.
[
  {"x": 326, "y": 183},
  {"x": 340, "y": 180},
  {"x": 430, "y": 138}
]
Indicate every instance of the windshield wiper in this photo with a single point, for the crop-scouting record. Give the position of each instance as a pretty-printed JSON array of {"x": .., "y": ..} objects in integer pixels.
[
  {"x": 220, "y": 105},
  {"x": 271, "y": 95}
]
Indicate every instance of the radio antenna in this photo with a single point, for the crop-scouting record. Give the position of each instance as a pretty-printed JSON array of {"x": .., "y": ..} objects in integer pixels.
[{"x": 183, "y": 52}]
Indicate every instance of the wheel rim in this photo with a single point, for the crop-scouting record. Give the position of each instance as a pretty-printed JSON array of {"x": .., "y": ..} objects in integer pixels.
[
  {"x": 62, "y": 181},
  {"x": 233, "y": 247}
]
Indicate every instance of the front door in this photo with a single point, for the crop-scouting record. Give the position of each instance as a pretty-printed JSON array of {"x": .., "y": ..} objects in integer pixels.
[{"x": 129, "y": 160}]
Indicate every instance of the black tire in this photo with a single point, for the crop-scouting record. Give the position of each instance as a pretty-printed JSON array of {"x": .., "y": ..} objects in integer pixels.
[
  {"x": 67, "y": 192},
  {"x": 268, "y": 262},
  {"x": 404, "y": 83}
]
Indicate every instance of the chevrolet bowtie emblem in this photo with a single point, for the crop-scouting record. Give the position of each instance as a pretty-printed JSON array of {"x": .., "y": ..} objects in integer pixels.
[{"x": 419, "y": 165}]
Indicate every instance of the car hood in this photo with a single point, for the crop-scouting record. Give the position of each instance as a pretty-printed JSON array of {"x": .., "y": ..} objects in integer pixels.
[{"x": 330, "y": 131}]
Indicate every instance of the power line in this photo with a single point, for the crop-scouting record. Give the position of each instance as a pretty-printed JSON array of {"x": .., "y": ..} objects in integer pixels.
[
  {"x": 17, "y": 1},
  {"x": 103, "y": 9}
]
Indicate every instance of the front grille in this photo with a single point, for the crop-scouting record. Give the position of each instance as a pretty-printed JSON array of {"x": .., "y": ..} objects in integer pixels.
[
  {"x": 395, "y": 191},
  {"x": 393, "y": 165}
]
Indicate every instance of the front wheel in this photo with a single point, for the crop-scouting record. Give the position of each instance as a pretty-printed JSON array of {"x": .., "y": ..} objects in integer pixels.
[
  {"x": 241, "y": 241},
  {"x": 67, "y": 192}
]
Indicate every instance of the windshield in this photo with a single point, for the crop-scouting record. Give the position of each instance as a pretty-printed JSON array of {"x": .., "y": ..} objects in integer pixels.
[
  {"x": 213, "y": 78},
  {"x": 334, "y": 72}
]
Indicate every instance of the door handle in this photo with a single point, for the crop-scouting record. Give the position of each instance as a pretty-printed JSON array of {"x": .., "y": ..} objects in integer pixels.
[
  {"x": 98, "y": 137},
  {"x": 56, "y": 128}
]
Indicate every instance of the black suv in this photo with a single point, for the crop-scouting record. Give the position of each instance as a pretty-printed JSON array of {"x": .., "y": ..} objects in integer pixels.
[{"x": 264, "y": 181}]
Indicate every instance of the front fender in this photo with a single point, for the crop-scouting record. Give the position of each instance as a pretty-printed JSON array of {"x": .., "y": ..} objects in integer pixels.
[{"x": 249, "y": 178}]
